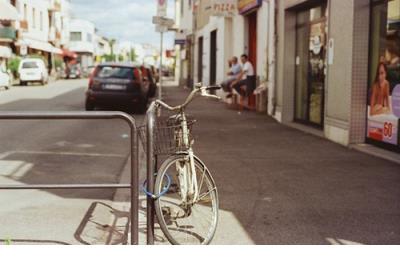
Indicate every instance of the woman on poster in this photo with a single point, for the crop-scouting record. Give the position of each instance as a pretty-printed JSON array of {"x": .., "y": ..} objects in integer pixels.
[{"x": 380, "y": 99}]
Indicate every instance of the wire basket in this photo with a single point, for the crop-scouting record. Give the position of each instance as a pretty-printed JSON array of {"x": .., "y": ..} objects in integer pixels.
[{"x": 168, "y": 136}]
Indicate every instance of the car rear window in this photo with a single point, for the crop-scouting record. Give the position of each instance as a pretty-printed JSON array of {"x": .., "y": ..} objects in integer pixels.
[
  {"x": 115, "y": 72},
  {"x": 30, "y": 65}
]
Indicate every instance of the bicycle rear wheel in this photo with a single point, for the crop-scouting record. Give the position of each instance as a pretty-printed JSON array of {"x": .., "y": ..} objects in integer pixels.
[{"x": 183, "y": 225}]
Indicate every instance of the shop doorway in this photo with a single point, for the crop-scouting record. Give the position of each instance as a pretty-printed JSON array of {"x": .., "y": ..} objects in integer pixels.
[
  {"x": 252, "y": 38},
  {"x": 213, "y": 57},
  {"x": 200, "y": 61},
  {"x": 310, "y": 65}
]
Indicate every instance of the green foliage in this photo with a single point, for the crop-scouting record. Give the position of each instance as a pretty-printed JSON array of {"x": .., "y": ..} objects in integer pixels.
[
  {"x": 58, "y": 63},
  {"x": 13, "y": 65}
]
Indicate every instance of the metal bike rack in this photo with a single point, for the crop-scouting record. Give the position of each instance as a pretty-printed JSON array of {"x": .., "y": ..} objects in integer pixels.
[
  {"x": 151, "y": 169},
  {"x": 134, "y": 184}
]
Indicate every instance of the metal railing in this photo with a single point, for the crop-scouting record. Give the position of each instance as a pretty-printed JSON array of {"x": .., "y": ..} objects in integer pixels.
[
  {"x": 134, "y": 181},
  {"x": 151, "y": 169}
]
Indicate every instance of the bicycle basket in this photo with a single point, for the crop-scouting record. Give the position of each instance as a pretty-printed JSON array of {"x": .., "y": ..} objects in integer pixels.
[{"x": 168, "y": 136}]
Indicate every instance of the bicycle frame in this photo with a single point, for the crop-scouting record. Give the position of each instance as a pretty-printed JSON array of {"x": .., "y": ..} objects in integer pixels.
[{"x": 187, "y": 174}]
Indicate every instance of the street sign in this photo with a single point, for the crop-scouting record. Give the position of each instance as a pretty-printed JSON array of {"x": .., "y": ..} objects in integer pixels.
[
  {"x": 163, "y": 21},
  {"x": 161, "y": 8},
  {"x": 161, "y": 28}
]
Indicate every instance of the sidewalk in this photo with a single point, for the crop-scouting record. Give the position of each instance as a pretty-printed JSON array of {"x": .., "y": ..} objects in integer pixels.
[{"x": 278, "y": 185}]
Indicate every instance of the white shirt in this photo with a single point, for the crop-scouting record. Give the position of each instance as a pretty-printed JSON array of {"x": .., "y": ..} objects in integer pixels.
[{"x": 248, "y": 70}]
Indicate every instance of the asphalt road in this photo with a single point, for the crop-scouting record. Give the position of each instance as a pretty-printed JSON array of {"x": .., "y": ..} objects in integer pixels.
[{"x": 58, "y": 152}]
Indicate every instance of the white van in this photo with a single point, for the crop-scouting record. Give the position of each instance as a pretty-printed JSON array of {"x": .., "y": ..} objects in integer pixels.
[{"x": 32, "y": 70}]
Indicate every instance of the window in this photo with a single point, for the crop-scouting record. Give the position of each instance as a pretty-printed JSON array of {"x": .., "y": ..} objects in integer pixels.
[
  {"x": 34, "y": 18},
  {"x": 41, "y": 21},
  {"x": 384, "y": 73},
  {"x": 25, "y": 12},
  {"x": 76, "y": 36},
  {"x": 89, "y": 37}
]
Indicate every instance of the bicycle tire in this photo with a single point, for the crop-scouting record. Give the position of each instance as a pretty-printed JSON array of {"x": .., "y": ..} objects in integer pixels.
[{"x": 181, "y": 233}]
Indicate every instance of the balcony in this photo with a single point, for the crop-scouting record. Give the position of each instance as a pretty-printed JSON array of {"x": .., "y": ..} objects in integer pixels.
[
  {"x": 23, "y": 24},
  {"x": 8, "y": 33}
]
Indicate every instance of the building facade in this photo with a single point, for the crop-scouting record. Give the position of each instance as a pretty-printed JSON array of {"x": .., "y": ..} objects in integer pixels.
[
  {"x": 8, "y": 32},
  {"x": 82, "y": 41},
  {"x": 338, "y": 69}
]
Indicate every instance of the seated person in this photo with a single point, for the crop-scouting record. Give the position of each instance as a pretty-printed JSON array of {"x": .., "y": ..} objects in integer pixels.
[
  {"x": 246, "y": 78},
  {"x": 232, "y": 74}
]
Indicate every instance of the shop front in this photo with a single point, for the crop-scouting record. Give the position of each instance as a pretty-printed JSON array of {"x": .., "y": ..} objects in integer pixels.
[
  {"x": 383, "y": 104},
  {"x": 310, "y": 61},
  {"x": 249, "y": 9}
]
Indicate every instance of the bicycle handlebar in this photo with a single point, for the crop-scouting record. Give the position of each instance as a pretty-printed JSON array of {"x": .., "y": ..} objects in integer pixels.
[{"x": 198, "y": 89}]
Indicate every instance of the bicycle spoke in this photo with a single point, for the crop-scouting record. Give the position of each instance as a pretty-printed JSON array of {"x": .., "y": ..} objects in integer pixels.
[
  {"x": 206, "y": 194},
  {"x": 202, "y": 179}
]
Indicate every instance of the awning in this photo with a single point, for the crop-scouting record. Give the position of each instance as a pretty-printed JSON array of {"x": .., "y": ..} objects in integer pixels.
[
  {"x": 8, "y": 11},
  {"x": 68, "y": 53},
  {"x": 40, "y": 45},
  {"x": 5, "y": 52}
]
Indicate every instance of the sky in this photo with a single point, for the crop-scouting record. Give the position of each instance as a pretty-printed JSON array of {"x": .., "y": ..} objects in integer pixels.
[{"x": 124, "y": 20}]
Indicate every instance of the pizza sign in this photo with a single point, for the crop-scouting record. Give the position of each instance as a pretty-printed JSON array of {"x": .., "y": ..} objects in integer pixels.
[{"x": 224, "y": 8}]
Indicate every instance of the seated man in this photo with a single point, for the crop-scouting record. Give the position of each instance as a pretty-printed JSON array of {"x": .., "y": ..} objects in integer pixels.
[
  {"x": 246, "y": 78},
  {"x": 232, "y": 74}
]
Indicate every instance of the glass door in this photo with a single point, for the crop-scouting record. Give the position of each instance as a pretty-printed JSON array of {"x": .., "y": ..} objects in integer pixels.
[{"x": 310, "y": 65}]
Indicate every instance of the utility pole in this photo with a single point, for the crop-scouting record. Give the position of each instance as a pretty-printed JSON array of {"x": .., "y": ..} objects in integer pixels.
[{"x": 161, "y": 61}]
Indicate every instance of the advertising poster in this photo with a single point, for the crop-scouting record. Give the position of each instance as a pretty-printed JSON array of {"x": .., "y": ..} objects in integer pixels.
[{"x": 384, "y": 91}]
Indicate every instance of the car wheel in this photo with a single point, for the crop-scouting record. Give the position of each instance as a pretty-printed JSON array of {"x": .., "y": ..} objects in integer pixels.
[{"x": 89, "y": 106}]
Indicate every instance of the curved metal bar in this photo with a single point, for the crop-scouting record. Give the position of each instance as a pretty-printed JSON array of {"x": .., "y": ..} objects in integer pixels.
[{"x": 134, "y": 185}]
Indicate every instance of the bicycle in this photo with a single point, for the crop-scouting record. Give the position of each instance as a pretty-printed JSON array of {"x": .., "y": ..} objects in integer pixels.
[{"x": 186, "y": 197}]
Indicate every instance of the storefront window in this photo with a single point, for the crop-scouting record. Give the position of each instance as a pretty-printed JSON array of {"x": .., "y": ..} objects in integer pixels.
[{"x": 384, "y": 81}]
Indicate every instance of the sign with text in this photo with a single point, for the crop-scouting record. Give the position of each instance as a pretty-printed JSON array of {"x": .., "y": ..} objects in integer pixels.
[
  {"x": 223, "y": 8},
  {"x": 245, "y": 6},
  {"x": 161, "y": 8}
]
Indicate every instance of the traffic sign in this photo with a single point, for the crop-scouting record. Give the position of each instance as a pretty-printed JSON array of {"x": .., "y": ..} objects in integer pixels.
[
  {"x": 162, "y": 8},
  {"x": 161, "y": 28},
  {"x": 162, "y": 21}
]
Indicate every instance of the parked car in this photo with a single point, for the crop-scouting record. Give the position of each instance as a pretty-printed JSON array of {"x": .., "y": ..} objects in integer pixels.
[
  {"x": 149, "y": 81},
  {"x": 74, "y": 72},
  {"x": 5, "y": 79},
  {"x": 117, "y": 85},
  {"x": 33, "y": 70}
]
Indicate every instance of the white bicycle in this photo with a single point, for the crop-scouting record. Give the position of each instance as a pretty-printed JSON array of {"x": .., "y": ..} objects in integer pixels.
[{"x": 186, "y": 197}]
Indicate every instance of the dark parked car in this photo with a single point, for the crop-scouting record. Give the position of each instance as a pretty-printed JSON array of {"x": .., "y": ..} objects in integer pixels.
[
  {"x": 117, "y": 85},
  {"x": 149, "y": 81},
  {"x": 74, "y": 72}
]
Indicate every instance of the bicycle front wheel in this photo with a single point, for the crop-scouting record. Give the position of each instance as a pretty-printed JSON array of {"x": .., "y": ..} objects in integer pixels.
[{"x": 183, "y": 224}]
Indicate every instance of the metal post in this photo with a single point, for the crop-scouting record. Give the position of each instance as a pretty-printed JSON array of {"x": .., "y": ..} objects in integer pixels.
[
  {"x": 161, "y": 61},
  {"x": 150, "y": 174},
  {"x": 134, "y": 184}
]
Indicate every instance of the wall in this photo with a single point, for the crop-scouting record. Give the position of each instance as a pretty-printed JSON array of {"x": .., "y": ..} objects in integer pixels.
[
  {"x": 346, "y": 81},
  {"x": 85, "y": 27},
  {"x": 232, "y": 40},
  {"x": 40, "y": 6}
]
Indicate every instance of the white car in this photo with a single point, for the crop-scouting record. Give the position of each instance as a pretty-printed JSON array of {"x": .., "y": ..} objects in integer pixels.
[
  {"x": 33, "y": 70},
  {"x": 5, "y": 80}
]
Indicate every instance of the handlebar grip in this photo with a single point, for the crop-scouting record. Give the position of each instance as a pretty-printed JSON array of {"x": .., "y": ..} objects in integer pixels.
[{"x": 214, "y": 87}]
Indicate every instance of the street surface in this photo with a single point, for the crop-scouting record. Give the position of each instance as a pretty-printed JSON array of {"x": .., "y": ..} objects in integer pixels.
[
  {"x": 276, "y": 185},
  {"x": 57, "y": 152}
]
